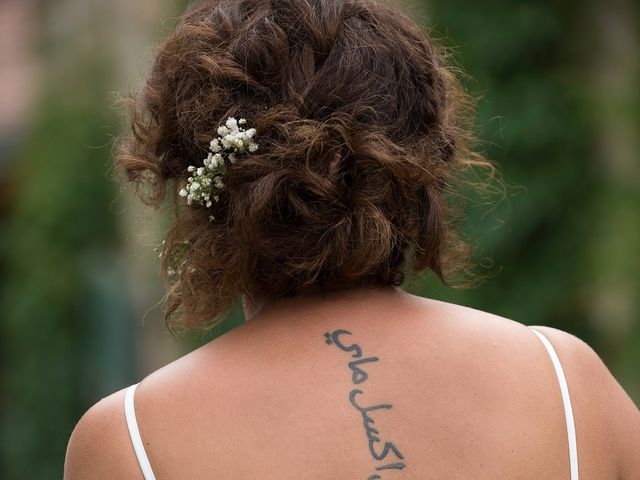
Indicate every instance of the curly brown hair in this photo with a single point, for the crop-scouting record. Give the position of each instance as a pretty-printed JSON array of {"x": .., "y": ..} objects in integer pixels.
[{"x": 364, "y": 135}]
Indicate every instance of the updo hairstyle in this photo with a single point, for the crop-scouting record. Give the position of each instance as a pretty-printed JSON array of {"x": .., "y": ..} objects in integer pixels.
[{"x": 364, "y": 137}]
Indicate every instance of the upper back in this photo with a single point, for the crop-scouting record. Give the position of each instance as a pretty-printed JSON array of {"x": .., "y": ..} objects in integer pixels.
[{"x": 425, "y": 389}]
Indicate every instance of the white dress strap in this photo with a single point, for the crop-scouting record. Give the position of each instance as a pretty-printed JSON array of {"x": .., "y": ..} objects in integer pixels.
[
  {"x": 134, "y": 433},
  {"x": 568, "y": 411}
]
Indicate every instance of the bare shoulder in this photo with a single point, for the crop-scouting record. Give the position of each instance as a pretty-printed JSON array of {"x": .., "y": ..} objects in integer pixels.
[
  {"x": 99, "y": 446},
  {"x": 479, "y": 323},
  {"x": 607, "y": 420},
  {"x": 601, "y": 401},
  {"x": 591, "y": 374},
  {"x": 578, "y": 358}
]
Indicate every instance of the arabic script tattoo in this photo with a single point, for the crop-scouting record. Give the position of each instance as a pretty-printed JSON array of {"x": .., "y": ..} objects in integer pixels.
[{"x": 378, "y": 449}]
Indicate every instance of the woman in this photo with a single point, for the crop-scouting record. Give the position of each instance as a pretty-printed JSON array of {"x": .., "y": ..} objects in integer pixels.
[{"x": 315, "y": 149}]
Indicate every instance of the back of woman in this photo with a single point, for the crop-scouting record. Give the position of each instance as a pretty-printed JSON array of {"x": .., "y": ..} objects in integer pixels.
[
  {"x": 370, "y": 384},
  {"x": 314, "y": 149}
]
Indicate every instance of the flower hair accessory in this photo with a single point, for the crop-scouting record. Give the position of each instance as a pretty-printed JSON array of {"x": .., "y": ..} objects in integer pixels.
[{"x": 204, "y": 185}]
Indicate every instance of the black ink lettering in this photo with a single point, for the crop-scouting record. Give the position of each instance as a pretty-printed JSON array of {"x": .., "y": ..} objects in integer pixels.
[
  {"x": 359, "y": 376},
  {"x": 335, "y": 339},
  {"x": 372, "y": 433},
  {"x": 388, "y": 447},
  {"x": 392, "y": 466}
]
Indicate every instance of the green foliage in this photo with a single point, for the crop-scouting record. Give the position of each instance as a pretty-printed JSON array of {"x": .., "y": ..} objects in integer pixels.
[
  {"x": 530, "y": 60},
  {"x": 59, "y": 224}
]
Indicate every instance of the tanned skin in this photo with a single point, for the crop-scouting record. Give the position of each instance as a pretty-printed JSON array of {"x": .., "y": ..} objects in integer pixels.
[{"x": 337, "y": 387}]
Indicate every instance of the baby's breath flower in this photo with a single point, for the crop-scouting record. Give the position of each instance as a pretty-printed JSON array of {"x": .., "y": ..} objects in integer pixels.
[
  {"x": 159, "y": 248},
  {"x": 176, "y": 260},
  {"x": 206, "y": 182}
]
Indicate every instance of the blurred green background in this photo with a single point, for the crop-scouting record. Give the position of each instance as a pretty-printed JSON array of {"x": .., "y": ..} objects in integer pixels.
[{"x": 559, "y": 110}]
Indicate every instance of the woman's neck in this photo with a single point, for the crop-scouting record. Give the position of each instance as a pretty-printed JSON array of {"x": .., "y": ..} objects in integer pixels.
[{"x": 258, "y": 308}]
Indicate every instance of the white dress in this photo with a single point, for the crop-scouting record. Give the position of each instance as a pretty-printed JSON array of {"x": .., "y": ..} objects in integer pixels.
[{"x": 147, "y": 472}]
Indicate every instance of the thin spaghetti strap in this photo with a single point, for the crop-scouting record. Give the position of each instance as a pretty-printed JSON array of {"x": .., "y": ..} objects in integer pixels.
[
  {"x": 568, "y": 410},
  {"x": 134, "y": 433}
]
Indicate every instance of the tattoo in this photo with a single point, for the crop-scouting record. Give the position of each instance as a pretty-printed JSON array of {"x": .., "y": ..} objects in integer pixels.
[{"x": 359, "y": 376}]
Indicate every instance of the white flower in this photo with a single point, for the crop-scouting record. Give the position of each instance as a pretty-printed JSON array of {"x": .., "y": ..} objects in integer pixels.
[{"x": 207, "y": 181}]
